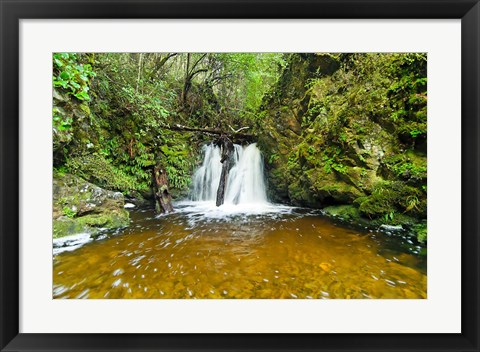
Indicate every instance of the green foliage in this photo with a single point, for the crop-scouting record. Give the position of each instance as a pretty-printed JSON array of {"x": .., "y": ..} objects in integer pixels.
[
  {"x": 389, "y": 216},
  {"x": 68, "y": 212},
  {"x": 60, "y": 170},
  {"x": 416, "y": 132},
  {"x": 135, "y": 95},
  {"x": 421, "y": 231},
  {"x": 252, "y": 76},
  {"x": 179, "y": 165},
  {"x": 61, "y": 123},
  {"x": 131, "y": 107},
  {"x": 389, "y": 197},
  {"x": 332, "y": 160},
  {"x": 273, "y": 158},
  {"x": 150, "y": 110},
  {"x": 410, "y": 167},
  {"x": 408, "y": 96},
  {"x": 385, "y": 88},
  {"x": 96, "y": 169},
  {"x": 370, "y": 101},
  {"x": 72, "y": 75}
]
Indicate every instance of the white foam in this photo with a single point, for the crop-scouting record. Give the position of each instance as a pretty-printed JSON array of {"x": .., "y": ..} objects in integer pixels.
[
  {"x": 70, "y": 243},
  {"x": 208, "y": 209}
]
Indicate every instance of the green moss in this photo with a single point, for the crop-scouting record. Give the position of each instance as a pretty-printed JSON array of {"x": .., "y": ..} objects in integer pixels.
[
  {"x": 299, "y": 195},
  {"x": 111, "y": 220},
  {"x": 391, "y": 197},
  {"x": 408, "y": 166},
  {"x": 362, "y": 136},
  {"x": 97, "y": 169},
  {"x": 65, "y": 227},
  {"x": 79, "y": 206},
  {"x": 85, "y": 108},
  {"x": 421, "y": 232},
  {"x": 344, "y": 212},
  {"x": 352, "y": 215},
  {"x": 69, "y": 212},
  {"x": 91, "y": 223},
  {"x": 375, "y": 206}
]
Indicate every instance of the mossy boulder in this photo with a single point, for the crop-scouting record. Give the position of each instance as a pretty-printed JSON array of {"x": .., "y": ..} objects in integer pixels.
[
  {"x": 349, "y": 130},
  {"x": 80, "y": 206},
  {"x": 348, "y": 213},
  {"x": 393, "y": 197}
]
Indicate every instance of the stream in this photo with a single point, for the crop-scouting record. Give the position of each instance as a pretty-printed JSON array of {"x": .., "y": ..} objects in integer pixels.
[{"x": 246, "y": 248}]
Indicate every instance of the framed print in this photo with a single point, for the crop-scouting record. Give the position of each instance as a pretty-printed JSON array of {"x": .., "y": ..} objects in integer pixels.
[{"x": 239, "y": 176}]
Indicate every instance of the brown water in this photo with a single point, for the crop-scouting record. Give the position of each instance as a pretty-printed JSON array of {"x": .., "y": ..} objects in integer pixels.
[{"x": 200, "y": 253}]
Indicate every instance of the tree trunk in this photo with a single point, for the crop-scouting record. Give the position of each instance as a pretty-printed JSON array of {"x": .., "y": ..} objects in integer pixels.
[
  {"x": 139, "y": 72},
  {"x": 163, "y": 198},
  {"x": 227, "y": 147}
]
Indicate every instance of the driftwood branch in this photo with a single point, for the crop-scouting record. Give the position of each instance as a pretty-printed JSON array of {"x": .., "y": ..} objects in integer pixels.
[{"x": 240, "y": 129}]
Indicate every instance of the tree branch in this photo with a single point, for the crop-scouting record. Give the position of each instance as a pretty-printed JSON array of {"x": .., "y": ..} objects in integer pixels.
[{"x": 235, "y": 135}]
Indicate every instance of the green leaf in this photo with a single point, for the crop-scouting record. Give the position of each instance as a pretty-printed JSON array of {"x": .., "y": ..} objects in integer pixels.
[
  {"x": 65, "y": 75},
  {"x": 82, "y": 96},
  {"x": 64, "y": 127}
]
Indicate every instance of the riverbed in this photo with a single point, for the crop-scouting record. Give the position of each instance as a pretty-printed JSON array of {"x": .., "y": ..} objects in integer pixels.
[{"x": 239, "y": 251}]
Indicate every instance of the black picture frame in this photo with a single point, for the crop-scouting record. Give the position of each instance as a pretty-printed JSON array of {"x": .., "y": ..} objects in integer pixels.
[{"x": 12, "y": 11}]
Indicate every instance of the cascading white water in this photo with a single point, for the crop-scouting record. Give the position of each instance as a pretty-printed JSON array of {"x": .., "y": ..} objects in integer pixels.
[
  {"x": 207, "y": 177},
  {"x": 245, "y": 182}
]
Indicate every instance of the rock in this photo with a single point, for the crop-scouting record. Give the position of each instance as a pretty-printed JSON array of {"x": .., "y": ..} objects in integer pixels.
[
  {"x": 82, "y": 207},
  {"x": 60, "y": 97},
  {"x": 347, "y": 212},
  {"x": 327, "y": 267},
  {"x": 332, "y": 137},
  {"x": 392, "y": 228}
]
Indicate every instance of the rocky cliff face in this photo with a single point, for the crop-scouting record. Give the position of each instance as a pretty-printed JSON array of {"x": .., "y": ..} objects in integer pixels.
[{"x": 350, "y": 130}]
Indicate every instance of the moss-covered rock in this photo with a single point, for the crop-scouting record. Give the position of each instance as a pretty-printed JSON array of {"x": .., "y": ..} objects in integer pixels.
[
  {"x": 80, "y": 206},
  {"x": 350, "y": 130},
  {"x": 348, "y": 213}
]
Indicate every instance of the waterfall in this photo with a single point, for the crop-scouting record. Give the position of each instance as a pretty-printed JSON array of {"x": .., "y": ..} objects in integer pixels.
[{"x": 245, "y": 182}]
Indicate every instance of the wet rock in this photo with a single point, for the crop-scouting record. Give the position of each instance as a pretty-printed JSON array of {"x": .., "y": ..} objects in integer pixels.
[{"x": 391, "y": 228}]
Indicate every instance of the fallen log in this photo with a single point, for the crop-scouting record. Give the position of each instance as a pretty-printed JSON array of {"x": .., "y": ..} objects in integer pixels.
[
  {"x": 235, "y": 135},
  {"x": 163, "y": 198}
]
